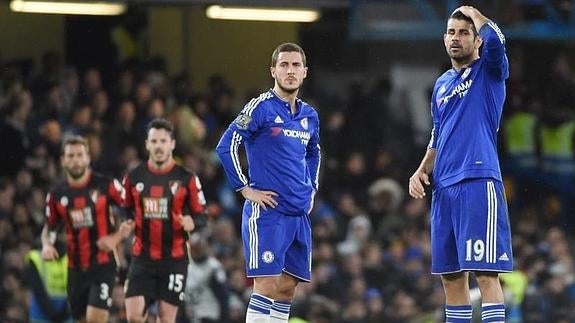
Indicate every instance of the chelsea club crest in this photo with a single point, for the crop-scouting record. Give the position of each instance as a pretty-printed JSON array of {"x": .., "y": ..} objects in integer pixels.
[{"x": 303, "y": 123}]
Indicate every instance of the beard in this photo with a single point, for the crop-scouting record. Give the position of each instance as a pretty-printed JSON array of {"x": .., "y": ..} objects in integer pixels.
[
  {"x": 461, "y": 58},
  {"x": 76, "y": 174},
  {"x": 159, "y": 157},
  {"x": 158, "y": 162},
  {"x": 288, "y": 90}
]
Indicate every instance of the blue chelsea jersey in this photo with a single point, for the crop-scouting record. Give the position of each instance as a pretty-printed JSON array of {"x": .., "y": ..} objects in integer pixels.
[
  {"x": 282, "y": 149},
  {"x": 466, "y": 108}
]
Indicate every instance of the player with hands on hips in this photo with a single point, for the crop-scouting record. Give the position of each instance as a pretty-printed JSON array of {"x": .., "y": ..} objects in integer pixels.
[
  {"x": 264, "y": 199},
  {"x": 280, "y": 134}
]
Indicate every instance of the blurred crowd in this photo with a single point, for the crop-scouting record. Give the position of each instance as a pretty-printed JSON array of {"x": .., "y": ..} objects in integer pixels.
[{"x": 371, "y": 241}]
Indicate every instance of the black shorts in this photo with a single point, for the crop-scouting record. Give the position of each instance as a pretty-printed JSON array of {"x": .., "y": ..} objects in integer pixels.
[
  {"x": 90, "y": 287},
  {"x": 164, "y": 281}
]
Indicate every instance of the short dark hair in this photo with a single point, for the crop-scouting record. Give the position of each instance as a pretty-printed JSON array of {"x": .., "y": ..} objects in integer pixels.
[
  {"x": 458, "y": 15},
  {"x": 74, "y": 140},
  {"x": 288, "y": 47},
  {"x": 161, "y": 123}
]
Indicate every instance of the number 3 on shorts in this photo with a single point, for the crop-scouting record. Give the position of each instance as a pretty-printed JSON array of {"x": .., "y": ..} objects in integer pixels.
[
  {"x": 104, "y": 291},
  {"x": 176, "y": 282}
]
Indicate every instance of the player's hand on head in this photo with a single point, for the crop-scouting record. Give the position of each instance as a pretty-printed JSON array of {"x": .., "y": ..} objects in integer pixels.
[
  {"x": 466, "y": 10},
  {"x": 49, "y": 252},
  {"x": 264, "y": 199},
  {"x": 187, "y": 223},
  {"x": 416, "y": 181}
]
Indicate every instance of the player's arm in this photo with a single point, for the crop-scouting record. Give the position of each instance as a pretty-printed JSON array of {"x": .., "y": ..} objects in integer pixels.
[
  {"x": 313, "y": 156},
  {"x": 118, "y": 202},
  {"x": 313, "y": 160},
  {"x": 48, "y": 235},
  {"x": 118, "y": 198},
  {"x": 422, "y": 173},
  {"x": 117, "y": 195},
  {"x": 242, "y": 128},
  {"x": 478, "y": 18},
  {"x": 126, "y": 199},
  {"x": 109, "y": 242},
  {"x": 116, "y": 192},
  {"x": 126, "y": 202},
  {"x": 493, "y": 42},
  {"x": 196, "y": 205}
]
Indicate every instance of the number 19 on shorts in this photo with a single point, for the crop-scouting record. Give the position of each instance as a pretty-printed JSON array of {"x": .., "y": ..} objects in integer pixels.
[{"x": 475, "y": 249}]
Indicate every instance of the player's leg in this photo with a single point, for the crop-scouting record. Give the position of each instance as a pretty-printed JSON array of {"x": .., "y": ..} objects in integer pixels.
[
  {"x": 456, "y": 288},
  {"x": 170, "y": 289},
  {"x": 261, "y": 300},
  {"x": 493, "y": 306},
  {"x": 96, "y": 315},
  {"x": 284, "y": 292},
  {"x": 297, "y": 266},
  {"x": 487, "y": 241},
  {"x": 100, "y": 296},
  {"x": 136, "y": 309},
  {"x": 78, "y": 291},
  {"x": 264, "y": 241},
  {"x": 484, "y": 235},
  {"x": 139, "y": 287},
  {"x": 444, "y": 255},
  {"x": 166, "y": 312},
  {"x": 458, "y": 307},
  {"x": 285, "y": 287}
]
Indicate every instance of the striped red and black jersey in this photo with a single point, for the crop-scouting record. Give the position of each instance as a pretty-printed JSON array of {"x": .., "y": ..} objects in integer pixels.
[
  {"x": 85, "y": 212},
  {"x": 157, "y": 199}
]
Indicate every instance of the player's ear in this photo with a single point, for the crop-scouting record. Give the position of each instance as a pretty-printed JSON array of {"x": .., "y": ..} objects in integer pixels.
[
  {"x": 273, "y": 71},
  {"x": 478, "y": 42},
  {"x": 305, "y": 72}
]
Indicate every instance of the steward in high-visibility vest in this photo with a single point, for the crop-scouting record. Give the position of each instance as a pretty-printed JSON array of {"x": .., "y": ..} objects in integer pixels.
[
  {"x": 521, "y": 140},
  {"x": 558, "y": 149},
  {"x": 520, "y": 162},
  {"x": 558, "y": 165},
  {"x": 48, "y": 281}
]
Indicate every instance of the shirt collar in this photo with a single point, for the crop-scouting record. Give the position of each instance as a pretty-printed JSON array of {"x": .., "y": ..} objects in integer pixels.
[{"x": 298, "y": 101}]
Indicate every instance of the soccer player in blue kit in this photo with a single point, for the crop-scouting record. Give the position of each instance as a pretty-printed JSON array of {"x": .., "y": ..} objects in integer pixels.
[
  {"x": 469, "y": 222},
  {"x": 281, "y": 137}
]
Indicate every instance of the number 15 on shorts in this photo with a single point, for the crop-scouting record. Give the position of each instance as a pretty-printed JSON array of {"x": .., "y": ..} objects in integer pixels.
[{"x": 176, "y": 283}]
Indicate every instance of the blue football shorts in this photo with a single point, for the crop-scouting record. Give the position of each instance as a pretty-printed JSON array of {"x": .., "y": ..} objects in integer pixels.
[
  {"x": 470, "y": 228},
  {"x": 275, "y": 242}
]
